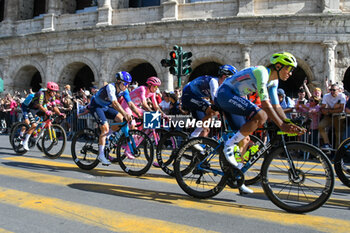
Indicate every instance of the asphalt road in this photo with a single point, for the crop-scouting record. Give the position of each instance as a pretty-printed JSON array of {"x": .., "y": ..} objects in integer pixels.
[{"x": 38, "y": 194}]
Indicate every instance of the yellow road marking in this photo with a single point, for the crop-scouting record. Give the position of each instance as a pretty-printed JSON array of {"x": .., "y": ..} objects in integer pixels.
[
  {"x": 5, "y": 231},
  {"x": 211, "y": 205},
  {"x": 108, "y": 219}
]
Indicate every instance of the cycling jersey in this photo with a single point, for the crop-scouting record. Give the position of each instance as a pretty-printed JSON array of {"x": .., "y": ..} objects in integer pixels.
[
  {"x": 204, "y": 86},
  {"x": 39, "y": 99},
  {"x": 194, "y": 93},
  {"x": 250, "y": 80},
  {"x": 101, "y": 101},
  {"x": 230, "y": 94},
  {"x": 107, "y": 94},
  {"x": 137, "y": 96}
]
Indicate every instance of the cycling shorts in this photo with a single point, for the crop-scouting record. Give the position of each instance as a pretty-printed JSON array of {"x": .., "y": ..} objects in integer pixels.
[
  {"x": 102, "y": 113},
  {"x": 196, "y": 105},
  {"x": 29, "y": 113},
  {"x": 237, "y": 109}
]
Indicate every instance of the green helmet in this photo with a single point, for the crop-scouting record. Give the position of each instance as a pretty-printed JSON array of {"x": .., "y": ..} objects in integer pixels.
[{"x": 284, "y": 58}]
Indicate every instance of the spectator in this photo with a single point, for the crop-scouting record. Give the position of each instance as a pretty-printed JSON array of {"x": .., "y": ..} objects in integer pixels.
[
  {"x": 165, "y": 104},
  {"x": 175, "y": 108},
  {"x": 286, "y": 102},
  {"x": 93, "y": 90},
  {"x": 312, "y": 110},
  {"x": 301, "y": 100},
  {"x": 67, "y": 91},
  {"x": 332, "y": 102}
]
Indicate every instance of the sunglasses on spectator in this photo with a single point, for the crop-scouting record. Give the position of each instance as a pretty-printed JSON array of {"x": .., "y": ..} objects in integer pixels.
[{"x": 333, "y": 89}]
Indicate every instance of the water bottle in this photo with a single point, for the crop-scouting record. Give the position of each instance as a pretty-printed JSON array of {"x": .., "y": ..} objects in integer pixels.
[{"x": 35, "y": 133}]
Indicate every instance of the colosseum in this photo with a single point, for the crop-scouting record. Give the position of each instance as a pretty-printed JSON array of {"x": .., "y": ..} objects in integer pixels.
[{"x": 85, "y": 42}]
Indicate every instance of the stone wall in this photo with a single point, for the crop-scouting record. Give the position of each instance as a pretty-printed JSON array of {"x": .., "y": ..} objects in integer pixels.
[{"x": 242, "y": 33}]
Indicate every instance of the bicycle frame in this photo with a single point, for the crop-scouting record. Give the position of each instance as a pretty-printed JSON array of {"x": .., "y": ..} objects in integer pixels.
[{"x": 124, "y": 130}]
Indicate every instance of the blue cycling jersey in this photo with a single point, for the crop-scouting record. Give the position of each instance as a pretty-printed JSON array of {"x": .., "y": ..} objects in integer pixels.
[
  {"x": 107, "y": 94},
  {"x": 203, "y": 86}
]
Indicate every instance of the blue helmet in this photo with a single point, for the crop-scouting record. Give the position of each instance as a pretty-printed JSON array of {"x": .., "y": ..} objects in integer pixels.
[
  {"x": 227, "y": 70},
  {"x": 123, "y": 76}
]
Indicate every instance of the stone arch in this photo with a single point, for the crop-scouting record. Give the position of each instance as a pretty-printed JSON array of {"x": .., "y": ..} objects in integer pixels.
[
  {"x": 29, "y": 74},
  {"x": 71, "y": 68},
  {"x": 209, "y": 57},
  {"x": 127, "y": 63}
]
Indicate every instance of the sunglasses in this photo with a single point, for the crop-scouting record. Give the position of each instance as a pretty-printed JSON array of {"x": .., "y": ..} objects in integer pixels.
[
  {"x": 156, "y": 87},
  {"x": 290, "y": 69},
  {"x": 333, "y": 89}
]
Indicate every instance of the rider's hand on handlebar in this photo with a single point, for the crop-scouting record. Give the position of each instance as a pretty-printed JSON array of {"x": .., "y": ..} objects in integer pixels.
[
  {"x": 128, "y": 117},
  {"x": 48, "y": 112},
  {"x": 292, "y": 128},
  {"x": 63, "y": 115}
]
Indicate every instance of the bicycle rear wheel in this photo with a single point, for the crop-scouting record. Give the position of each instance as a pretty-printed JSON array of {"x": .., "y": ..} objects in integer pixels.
[
  {"x": 53, "y": 147},
  {"x": 199, "y": 173},
  {"x": 84, "y": 149},
  {"x": 342, "y": 162},
  {"x": 167, "y": 150},
  {"x": 312, "y": 186},
  {"x": 141, "y": 160}
]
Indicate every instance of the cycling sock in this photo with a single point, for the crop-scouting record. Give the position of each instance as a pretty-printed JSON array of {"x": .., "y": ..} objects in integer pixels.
[
  {"x": 235, "y": 139},
  {"x": 26, "y": 139},
  {"x": 196, "y": 132},
  {"x": 101, "y": 149}
]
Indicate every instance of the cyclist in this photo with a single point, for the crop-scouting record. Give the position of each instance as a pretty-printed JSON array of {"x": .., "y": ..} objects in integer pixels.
[
  {"x": 38, "y": 105},
  {"x": 265, "y": 81},
  {"x": 204, "y": 87},
  {"x": 101, "y": 109},
  {"x": 140, "y": 95}
]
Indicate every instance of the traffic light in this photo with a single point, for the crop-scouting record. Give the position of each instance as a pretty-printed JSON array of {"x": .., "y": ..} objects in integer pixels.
[
  {"x": 165, "y": 62},
  {"x": 175, "y": 61},
  {"x": 186, "y": 63}
]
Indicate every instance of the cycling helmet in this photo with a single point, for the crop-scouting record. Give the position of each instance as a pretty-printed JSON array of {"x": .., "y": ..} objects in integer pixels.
[
  {"x": 123, "y": 76},
  {"x": 52, "y": 86},
  {"x": 154, "y": 81},
  {"x": 284, "y": 58},
  {"x": 227, "y": 70}
]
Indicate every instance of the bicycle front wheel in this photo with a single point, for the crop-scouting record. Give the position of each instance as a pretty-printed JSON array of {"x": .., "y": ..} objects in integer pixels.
[
  {"x": 167, "y": 150},
  {"x": 299, "y": 190},
  {"x": 139, "y": 162},
  {"x": 84, "y": 149},
  {"x": 17, "y": 138},
  {"x": 342, "y": 162},
  {"x": 53, "y": 145},
  {"x": 199, "y": 172}
]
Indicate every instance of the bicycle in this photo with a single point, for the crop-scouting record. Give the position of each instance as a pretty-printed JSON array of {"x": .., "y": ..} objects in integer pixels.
[
  {"x": 296, "y": 176},
  {"x": 342, "y": 162},
  {"x": 53, "y": 138},
  {"x": 123, "y": 143}
]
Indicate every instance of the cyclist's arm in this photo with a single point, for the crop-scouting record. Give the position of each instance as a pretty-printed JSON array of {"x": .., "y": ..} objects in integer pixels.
[
  {"x": 214, "y": 86},
  {"x": 118, "y": 107}
]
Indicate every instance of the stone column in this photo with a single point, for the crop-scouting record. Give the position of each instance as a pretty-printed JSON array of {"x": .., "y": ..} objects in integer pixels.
[
  {"x": 104, "y": 69},
  {"x": 330, "y": 60},
  {"x": 170, "y": 10},
  {"x": 245, "y": 7},
  {"x": 49, "y": 72},
  {"x": 246, "y": 48},
  {"x": 331, "y": 6},
  {"x": 53, "y": 7},
  {"x": 105, "y": 14}
]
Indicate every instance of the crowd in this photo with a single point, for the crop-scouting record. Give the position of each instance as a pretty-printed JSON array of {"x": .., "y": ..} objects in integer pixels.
[
  {"x": 320, "y": 107},
  {"x": 325, "y": 110}
]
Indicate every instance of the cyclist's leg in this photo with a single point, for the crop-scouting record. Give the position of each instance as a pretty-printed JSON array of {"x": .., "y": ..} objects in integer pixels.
[
  {"x": 31, "y": 114},
  {"x": 200, "y": 110},
  {"x": 99, "y": 113}
]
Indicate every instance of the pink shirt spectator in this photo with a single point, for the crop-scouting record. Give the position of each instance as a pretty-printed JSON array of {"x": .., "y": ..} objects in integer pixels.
[
  {"x": 313, "y": 112},
  {"x": 13, "y": 106}
]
